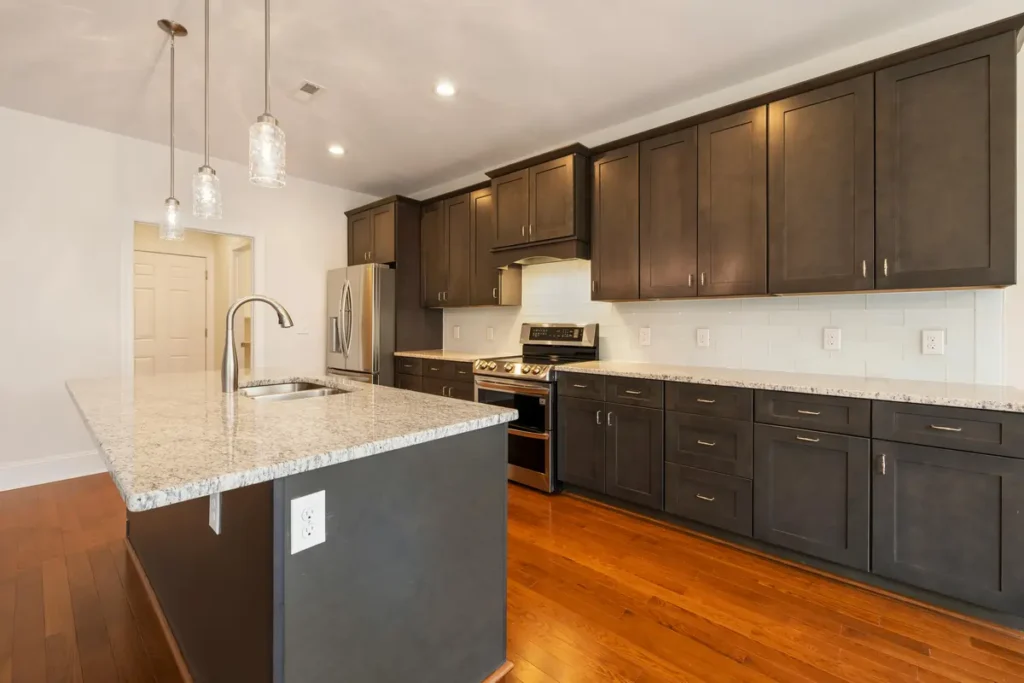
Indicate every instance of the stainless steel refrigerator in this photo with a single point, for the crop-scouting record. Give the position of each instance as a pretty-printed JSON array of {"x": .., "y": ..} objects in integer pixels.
[{"x": 361, "y": 323}]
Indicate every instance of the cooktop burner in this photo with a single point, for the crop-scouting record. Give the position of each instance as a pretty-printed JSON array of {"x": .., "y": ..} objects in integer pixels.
[{"x": 545, "y": 347}]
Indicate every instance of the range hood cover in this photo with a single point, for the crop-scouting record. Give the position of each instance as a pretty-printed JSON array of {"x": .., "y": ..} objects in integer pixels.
[{"x": 543, "y": 252}]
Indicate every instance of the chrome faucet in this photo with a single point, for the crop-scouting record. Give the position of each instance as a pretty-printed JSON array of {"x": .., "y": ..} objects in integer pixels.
[{"x": 229, "y": 366}]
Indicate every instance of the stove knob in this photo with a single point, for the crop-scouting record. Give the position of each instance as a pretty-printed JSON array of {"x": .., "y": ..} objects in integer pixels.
[
  {"x": 526, "y": 369},
  {"x": 480, "y": 365},
  {"x": 492, "y": 365},
  {"x": 537, "y": 369},
  {"x": 508, "y": 367}
]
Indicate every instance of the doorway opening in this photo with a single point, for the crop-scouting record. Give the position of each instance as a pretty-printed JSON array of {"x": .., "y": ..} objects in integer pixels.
[{"x": 181, "y": 295}]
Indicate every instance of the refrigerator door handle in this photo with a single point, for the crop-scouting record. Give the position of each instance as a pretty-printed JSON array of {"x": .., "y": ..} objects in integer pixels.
[
  {"x": 346, "y": 308},
  {"x": 335, "y": 334}
]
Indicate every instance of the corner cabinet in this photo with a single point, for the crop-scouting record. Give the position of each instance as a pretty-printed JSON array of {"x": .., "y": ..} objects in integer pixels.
[
  {"x": 541, "y": 203},
  {"x": 946, "y": 163}
]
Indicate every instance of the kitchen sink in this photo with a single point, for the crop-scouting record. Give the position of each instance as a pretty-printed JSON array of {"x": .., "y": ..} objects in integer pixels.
[{"x": 289, "y": 391}]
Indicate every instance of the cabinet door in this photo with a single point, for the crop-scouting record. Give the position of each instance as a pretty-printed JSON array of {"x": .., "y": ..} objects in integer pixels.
[
  {"x": 732, "y": 193},
  {"x": 812, "y": 493},
  {"x": 409, "y": 382},
  {"x": 460, "y": 251},
  {"x": 434, "y": 254},
  {"x": 552, "y": 200},
  {"x": 360, "y": 238},
  {"x": 945, "y": 151},
  {"x": 435, "y": 386},
  {"x": 821, "y": 185},
  {"x": 382, "y": 228},
  {"x": 635, "y": 454},
  {"x": 950, "y": 522},
  {"x": 483, "y": 273},
  {"x": 511, "y": 208},
  {"x": 668, "y": 216},
  {"x": 615, "y": 250},
  {"x": 581, "y": 438}
]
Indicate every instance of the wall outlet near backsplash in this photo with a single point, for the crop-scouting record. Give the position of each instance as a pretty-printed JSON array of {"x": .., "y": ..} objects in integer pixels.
[
  {"x": 832, "y": 339},
  {"x": 703, "y": 337},
  {"x": 645, "y": 336},
  {"x": 456, "y": 331},
  {"x": 933, "y": 342}
]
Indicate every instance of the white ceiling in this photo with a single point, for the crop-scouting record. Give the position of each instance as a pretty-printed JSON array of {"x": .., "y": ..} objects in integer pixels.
[{"x": 530, "y": 73}]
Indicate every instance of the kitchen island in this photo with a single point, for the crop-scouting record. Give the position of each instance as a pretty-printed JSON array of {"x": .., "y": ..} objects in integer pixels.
[{"x": 409, "y": 581}]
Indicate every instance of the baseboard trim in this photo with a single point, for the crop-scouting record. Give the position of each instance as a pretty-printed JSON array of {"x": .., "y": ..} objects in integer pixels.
[{"x": 22, "y": 473}]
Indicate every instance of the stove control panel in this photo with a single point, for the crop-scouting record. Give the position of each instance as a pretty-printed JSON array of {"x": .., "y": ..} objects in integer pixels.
[{"x": 531, "y": 371}]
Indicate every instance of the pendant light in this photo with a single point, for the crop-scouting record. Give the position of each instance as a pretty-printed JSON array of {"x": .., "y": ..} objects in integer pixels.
[
  {"x": 205, "y": 183},
  {"x": 266, "y": 139},
  {"x": 170, "y": 222}
]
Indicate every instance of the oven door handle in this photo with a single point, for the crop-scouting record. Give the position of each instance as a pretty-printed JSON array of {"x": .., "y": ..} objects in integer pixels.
[
  {"x": 517, "y": 388},
  {"x": 542, "y": 436}
]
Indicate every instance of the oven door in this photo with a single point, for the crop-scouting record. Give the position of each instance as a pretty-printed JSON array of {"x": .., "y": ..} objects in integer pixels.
[{"x": 533, "y": 400}]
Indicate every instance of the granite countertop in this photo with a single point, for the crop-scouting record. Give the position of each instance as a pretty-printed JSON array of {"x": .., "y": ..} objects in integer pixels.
[
  {"x": 171, "y": 438},
  {"x": 457, "y": 356},
  {"x": 983, "y": 396}
]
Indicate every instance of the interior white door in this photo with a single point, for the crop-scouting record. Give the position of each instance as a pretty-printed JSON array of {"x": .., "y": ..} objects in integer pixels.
[{"x": 170, "y": 313}]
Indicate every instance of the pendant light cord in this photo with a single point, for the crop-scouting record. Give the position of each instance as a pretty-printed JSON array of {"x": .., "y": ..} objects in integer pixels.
[
  {"x": 266, "y": 56},
  {"x": 206, "y": 91},
  {"x": 172, "y": 114}
]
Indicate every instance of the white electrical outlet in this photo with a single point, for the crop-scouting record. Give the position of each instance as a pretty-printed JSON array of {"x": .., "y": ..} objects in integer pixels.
[
  {"x": 456, "y": 331},
  {"x": 832, "y": 339},
  {"x": 490, "y": 334},
  {"x": 703, "y": 337},
  {"x": 308, "y": 521},
  {"x": 645, "y": 336},
  {"x": 215, "y": 512},
  {"x": 933, "y": 342}
]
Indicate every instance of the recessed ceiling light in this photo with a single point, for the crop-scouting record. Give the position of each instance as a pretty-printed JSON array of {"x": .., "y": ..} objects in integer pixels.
[
  {"x": 445, "y": 88},
  {"x": 336, "y": 150}
]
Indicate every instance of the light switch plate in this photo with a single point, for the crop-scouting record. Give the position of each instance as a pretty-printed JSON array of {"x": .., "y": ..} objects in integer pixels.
[
  {"x": 308, "y": 521},
  {"x": 832, "y": 339},
  {"x": 645, "y": 336},
  {"x": 933, "y": 342},
  {"x": 490, "y": 334},
  {"x": 457, "y": 331},
  {"x": 703, "y": 337}
]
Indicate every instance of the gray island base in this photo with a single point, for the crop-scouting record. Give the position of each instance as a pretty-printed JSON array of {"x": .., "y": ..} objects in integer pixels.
[{"x": 409, "y": 583}]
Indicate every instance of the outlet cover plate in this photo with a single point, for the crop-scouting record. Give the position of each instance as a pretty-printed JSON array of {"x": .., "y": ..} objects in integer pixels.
[
  {"x": 703, "y": 337},
  {"x": 457, "y": 331},
  {"x": 645, "y": 336},
  {"x": 933, "y": 342},
  {"x": 308, "y": 523},
  {"x": 832, "y": 339},
  {"x": 490, "y": 334}
]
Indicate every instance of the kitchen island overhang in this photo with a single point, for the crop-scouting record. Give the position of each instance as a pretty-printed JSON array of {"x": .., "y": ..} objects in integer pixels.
[{"x": 410, "y": 581}]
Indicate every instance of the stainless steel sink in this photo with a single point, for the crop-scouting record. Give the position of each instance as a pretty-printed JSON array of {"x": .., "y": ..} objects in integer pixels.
[{"x": 289, "y": 391}]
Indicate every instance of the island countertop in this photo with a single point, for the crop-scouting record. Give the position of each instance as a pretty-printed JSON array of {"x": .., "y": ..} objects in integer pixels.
[{"x": 176, "y": 437}]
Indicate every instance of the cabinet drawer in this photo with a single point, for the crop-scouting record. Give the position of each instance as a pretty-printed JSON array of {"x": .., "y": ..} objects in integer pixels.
[
  {"x": 449, "y": 388},
  {"x": 962, "y": 429},
  {"x": 408, "y": 366},
  {"x": 705, "y": 399},
  {"x": 410, "y": 382},
  {"x": 633, "y": 391},
  {"x": 463, "y": 371},
  {"x": 438, "y": 368},
  {"x": 581, "y": 386},
  {"x": 713, "y": 499},
  {"x": 808, "y": 411},
  {"x": 710, "y": 443}
]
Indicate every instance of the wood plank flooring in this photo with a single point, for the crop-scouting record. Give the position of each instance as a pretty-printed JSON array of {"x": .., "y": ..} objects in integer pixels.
[{"x": 594, "y": 594}]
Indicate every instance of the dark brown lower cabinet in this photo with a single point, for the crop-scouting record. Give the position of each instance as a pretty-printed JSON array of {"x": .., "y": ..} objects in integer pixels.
[
  {"x": 635, "y": 454},
  {"x": 447, "y": 387},
  {"x": 711, "y": 443},
  {"x": 812, "y": 493},
  {"x": 950, "y": 522},
  {"x": 708, "y": 497},
  {"x": 581, "y": 439},
  {"x": 410, "y": 382}
]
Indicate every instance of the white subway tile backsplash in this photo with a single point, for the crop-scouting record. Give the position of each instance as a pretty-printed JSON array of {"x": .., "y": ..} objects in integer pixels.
[{"x": 881, "y": 332}]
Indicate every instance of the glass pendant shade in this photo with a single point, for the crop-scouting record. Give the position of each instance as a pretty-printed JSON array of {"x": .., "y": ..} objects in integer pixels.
[
  {"x": 266, "y": 153},
  {"x": 170, "y": 223},
  {"x": 206, "y": 193}
]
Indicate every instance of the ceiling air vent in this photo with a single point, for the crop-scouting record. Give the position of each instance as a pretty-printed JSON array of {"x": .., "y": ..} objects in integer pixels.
[{"x": 307, "y": 90}]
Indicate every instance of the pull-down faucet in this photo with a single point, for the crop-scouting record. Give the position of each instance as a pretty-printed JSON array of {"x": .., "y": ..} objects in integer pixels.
[{"x": 229, "y": 367}]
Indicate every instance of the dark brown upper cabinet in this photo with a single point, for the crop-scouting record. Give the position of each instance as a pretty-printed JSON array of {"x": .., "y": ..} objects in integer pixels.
[
  {"x": 540, "y": 203},
  {"x": 360, "y": 238},
  {"x": 460, "y": 250},
  {"x": 732, "y": 188},
  {"x": 615, "y": 225},
  {"x": 668, "y": 216},
  {"x": 945, "y": 156},
  {"x": 434, "y": 252},
  {"x": 821, "y": 190},
  {"x": 511, "y": 208},
  {"x": 489, "y": 285}
]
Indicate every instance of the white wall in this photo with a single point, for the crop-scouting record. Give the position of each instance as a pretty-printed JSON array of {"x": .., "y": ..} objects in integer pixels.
[{"x": 70, "y": 198}]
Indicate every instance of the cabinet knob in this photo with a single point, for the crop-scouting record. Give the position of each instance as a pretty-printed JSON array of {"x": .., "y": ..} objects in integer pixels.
[
  {"x": 881, "y": 464},
  {"x": 689, "y": 280},
  {"x": 530, "y": 227},
  {"x": 598, "y": 414},
  {"x": 864, "y": 268},
  {"x": 609, "y": 418},
  {"x": 494, "y": 292},
  {"x": 702, "y": 278},
  {"x": 522, "y": 230},
  {"x": 593, "y": 285},
  {"x": 885, "y": 267}
]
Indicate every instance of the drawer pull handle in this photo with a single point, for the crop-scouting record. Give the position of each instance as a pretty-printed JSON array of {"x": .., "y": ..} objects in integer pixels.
[
  {"x": 599, "y": 417},
  {"x": 705, "y": 400},
  {"x": 580, "y": 386},
  {"x": 709, "y": 444},
  {"x": 710, "y": 499},
  {"x": 633, "y": 392},
  {"x": 809, "y": 412},
  {"x": 946, "y": 429},
  {"x": 807, "y": 438}
]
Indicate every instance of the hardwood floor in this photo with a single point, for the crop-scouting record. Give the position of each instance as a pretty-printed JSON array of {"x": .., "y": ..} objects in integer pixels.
[{"x": 594, "y": 594}]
